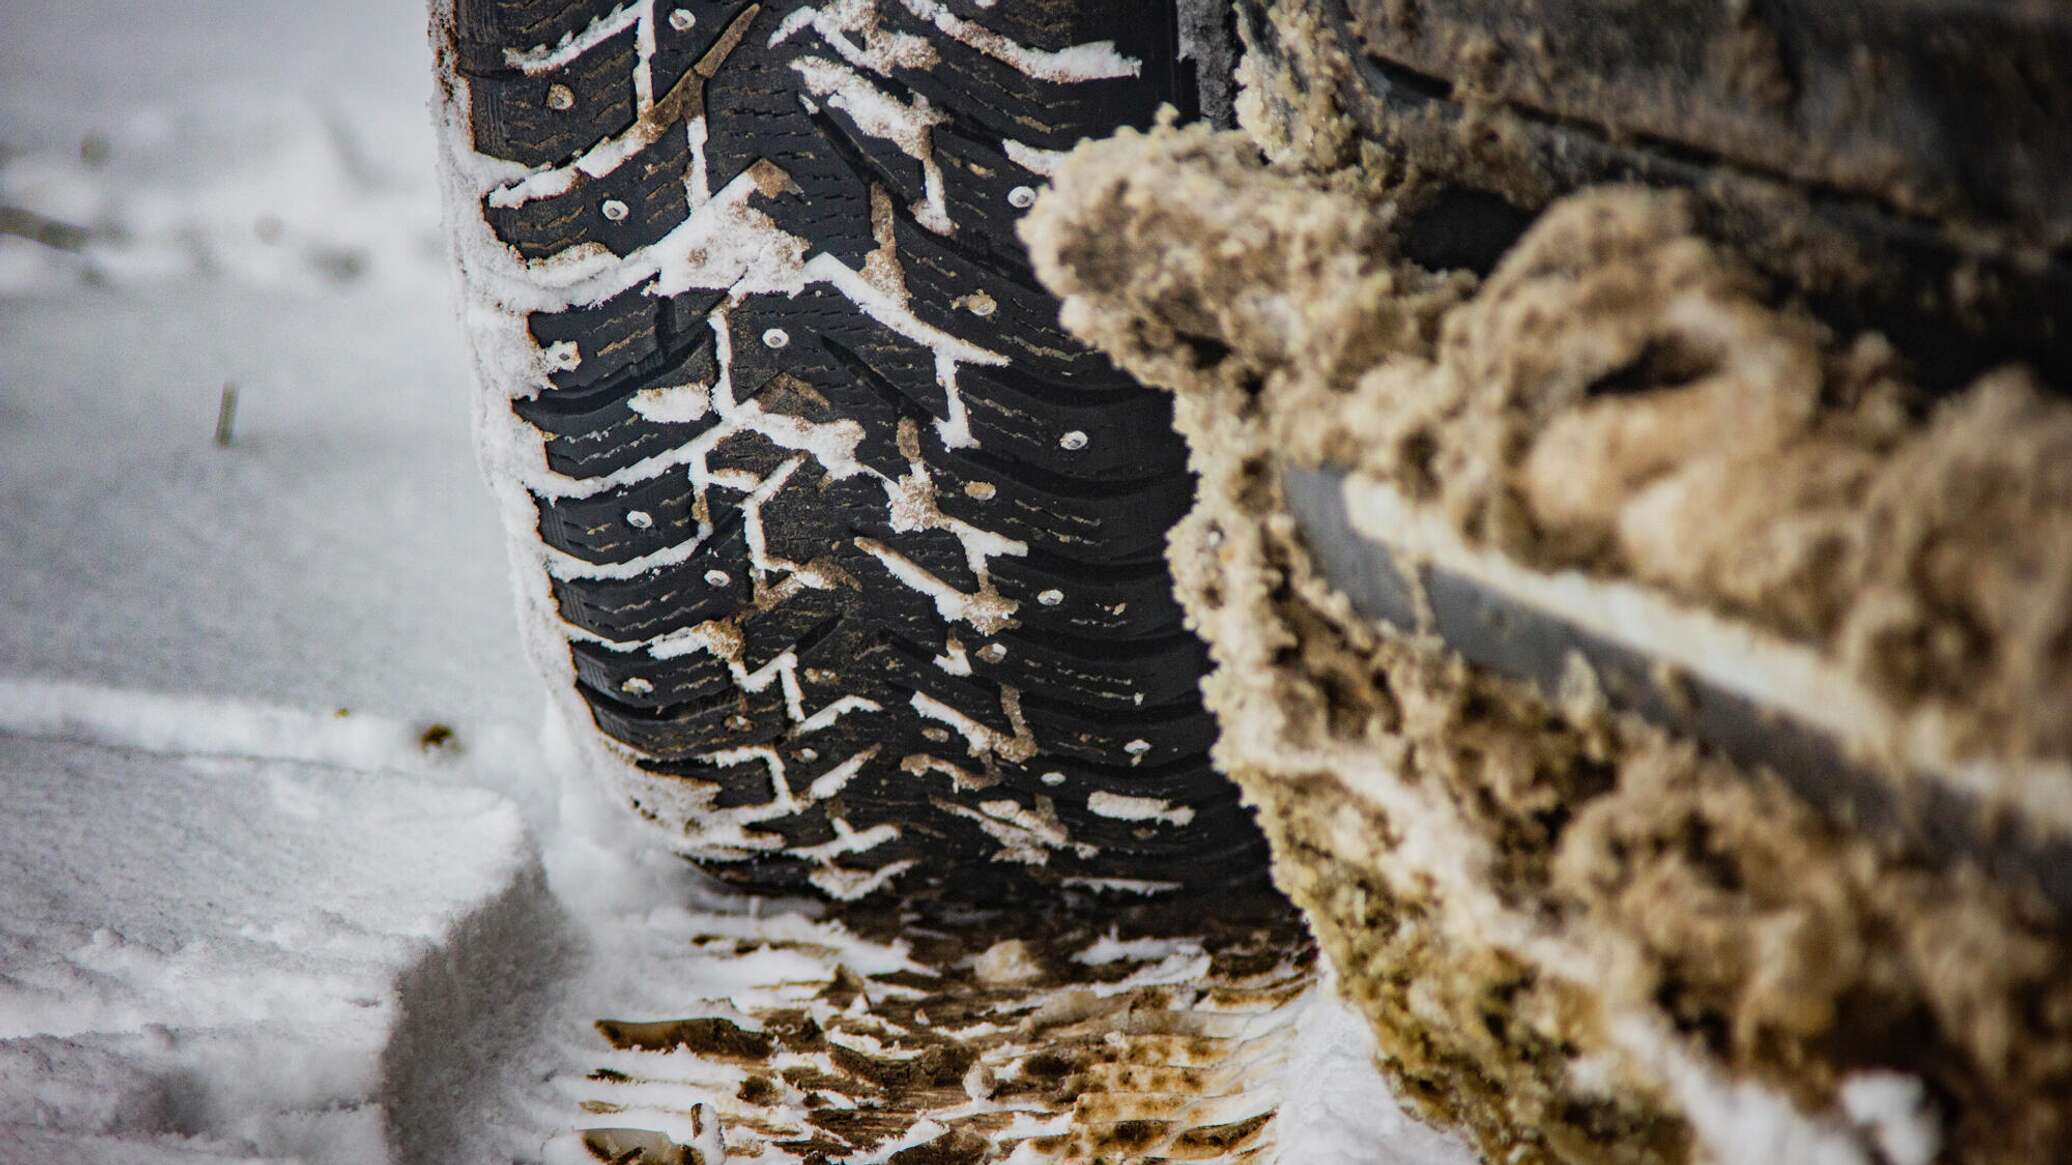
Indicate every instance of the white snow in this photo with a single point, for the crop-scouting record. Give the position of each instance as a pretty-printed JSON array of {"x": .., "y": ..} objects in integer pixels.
[
  {"x": 237, "y": 944},
  {"x": 298, "y": 194},
  {"x": 543, "y": 58},
  {"x": 1080, "y": 62},
  {"x": 674, "y": 405},
  {"x": 879, "y": 114},
  {"x": 981, "y": 739},
  {"x": 1109, "y": 948},
  {"x": 1042, "y": 161},
  {"x": 1122, "y": 807},
  {"x": 1895, "y": 1108},
  {"x": 1339, "y": 1110}
]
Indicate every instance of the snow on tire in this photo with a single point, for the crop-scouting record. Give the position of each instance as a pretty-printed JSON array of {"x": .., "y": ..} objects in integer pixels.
[{"x": 852, "y": 556}]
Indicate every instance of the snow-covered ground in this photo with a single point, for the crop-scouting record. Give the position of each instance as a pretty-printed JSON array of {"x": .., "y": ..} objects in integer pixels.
[{"x": 291, "y": 866}]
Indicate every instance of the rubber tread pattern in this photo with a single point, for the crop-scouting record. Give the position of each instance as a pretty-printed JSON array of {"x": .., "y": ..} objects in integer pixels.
[{"x": 1094, "y": 671}]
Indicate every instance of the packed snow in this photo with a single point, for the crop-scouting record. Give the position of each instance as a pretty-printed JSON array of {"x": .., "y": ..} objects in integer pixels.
[
  {"x": 296, "y": 864},
  {"x": 222, "y": 952}
]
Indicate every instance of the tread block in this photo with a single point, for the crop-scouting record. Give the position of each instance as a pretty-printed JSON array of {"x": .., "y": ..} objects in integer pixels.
[
  {"x": 665, "y": 599},
  {"x": 1096, "y": 523},
  {"x": 591, "y": 433},
  {"x": 522, "y": 24},
  {"x": 1109, "y": 602},
  {"x": 947, "y": 281},
  {"x": 554, "y": 116},
  {"x": 641, "y": 681},
  {"x": 587, "y": 345},
  {"x": 621, "y": 524},
  {"x": 631, "y": 207},
  {"x": 754, "y": 113},
  {"x": 739, "y": 720}
]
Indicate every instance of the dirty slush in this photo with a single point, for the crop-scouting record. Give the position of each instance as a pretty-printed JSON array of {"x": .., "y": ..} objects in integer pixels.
[{"x": 1572, "y": 934}]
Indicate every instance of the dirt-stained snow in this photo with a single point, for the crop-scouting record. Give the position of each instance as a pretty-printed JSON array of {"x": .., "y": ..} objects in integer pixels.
[
  {"x": 1578, "y": 938},
  {"x": 1618, "y": 397}
]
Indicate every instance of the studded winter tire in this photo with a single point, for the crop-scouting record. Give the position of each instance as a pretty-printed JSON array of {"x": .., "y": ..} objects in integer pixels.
[{"x": 847, "y": 558}]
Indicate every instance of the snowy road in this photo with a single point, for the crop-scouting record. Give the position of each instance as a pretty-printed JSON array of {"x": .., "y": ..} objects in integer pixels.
[
  {"x": 290, "y": 869},
  {"x": 246, "y": 913}
]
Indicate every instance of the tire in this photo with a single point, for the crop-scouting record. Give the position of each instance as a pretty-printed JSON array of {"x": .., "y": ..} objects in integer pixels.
[
  {"x": 1837, "y": 147},
  {"x": 852, "y": 556}
]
